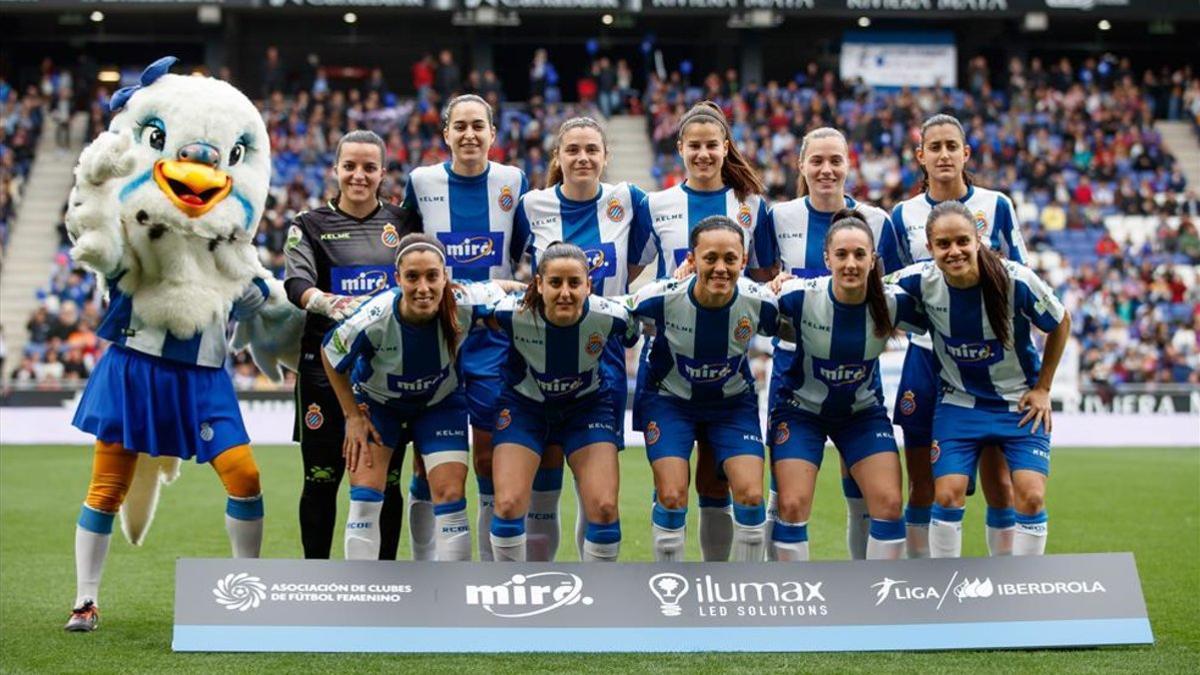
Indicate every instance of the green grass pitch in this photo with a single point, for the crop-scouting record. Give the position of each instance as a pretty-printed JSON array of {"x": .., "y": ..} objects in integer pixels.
[{"x": 1144, "y": 500}]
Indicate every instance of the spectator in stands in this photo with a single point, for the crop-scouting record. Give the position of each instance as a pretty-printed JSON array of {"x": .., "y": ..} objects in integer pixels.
[
  {"x": 447, "y": 78},
  {"x": 422, "y": 75},
  {"x": 274, "y": 75}
]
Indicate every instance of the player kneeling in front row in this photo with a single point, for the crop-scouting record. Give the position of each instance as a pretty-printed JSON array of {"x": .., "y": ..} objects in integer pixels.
[
  {"x": 979, "y": 310},
  {"x": 397, "y": 355},
  {"x": 699, "y": 386},
  {"x": 831, "y": 389},
  {"x": 555, "y": 394}
]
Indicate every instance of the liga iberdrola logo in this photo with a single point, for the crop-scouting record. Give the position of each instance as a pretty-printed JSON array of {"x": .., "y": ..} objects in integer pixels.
[
  {"x": 744, "y": 330},
  {"x": 595, "y": 344},
  {"x": 506, "y": 200},
  {"x": 616, "y": 212},
  {"x": 743, "y": 216},
  {"x": 390, "y": 237}
]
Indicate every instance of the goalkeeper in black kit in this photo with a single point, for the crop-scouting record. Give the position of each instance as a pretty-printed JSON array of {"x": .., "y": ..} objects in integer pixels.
[{"x": 339, "y": 256}]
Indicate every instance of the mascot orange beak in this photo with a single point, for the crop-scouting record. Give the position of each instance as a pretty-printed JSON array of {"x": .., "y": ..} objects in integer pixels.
[{"x": 192, "y": 182}]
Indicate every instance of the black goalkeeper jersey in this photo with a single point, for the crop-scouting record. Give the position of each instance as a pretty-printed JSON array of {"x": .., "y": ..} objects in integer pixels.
[{"x": 335, "y": 252}]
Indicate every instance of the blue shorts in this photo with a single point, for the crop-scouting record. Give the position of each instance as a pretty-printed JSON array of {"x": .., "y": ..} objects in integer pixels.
[
  {"x": 161, "y": 407},
  {"x": 917, "y": 396},
  {"x": 781, "y": 360},
  {"x": 482, "y": 356},
  {"x": 959, "y": 434},
  {"x": 612, "y": 373},
  {"x": 641, "y": 387},
  {"x": 673, "y": 425},
  {"x": 441, "y": 427},
  {"x": 798, "y": 434},
  {"x": 536, "y": 425}
]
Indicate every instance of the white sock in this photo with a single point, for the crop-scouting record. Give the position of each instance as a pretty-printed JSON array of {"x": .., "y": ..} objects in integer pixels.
[
  {"x": 362, "y": 525},
  {"x": 420, "y": 519},
  {"x": 789, "y": 541},
  {"x": 508, "y": 539},
  {"x": 858, "y": 520},
  {"x": 541, "y": 523},
  {"x": 1029, "y": 537},
  {"x": 483, "y": 518},
  {"x": 669, "y": 531},
  {"x": 92, "y": 535},
  {"x": 772, "y": 516},
  {"x": 602, "y": 543},
  {"x": 945, "y": 532},
  {"x": 716, "y": 528},
  {"x": 886, "y": 540},
  {"x": 453, "y": 539},
  {"x": 1000, "y": 526},
  {"x": 917, "y": 531},
  {"x": 749, "y": 525},
  {"x": 244, "y": 523}
]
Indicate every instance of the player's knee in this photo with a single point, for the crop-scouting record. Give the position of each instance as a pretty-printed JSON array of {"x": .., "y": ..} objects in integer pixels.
[
  {"x": 794, "y": 508},
  {"x": 950, "y": 496},
  {"x": 1030, "y": 498},
  {"x": 887, "y": 507},
  {"x": 748, "y": 495},
  {"x": 605, "y": 510},
  {"x": 509, "y": 504},
  {"x": 673, "y": 497}
]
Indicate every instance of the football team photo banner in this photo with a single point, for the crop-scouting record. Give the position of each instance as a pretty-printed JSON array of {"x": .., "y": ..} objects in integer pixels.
[{"x": 369, "y": 606}]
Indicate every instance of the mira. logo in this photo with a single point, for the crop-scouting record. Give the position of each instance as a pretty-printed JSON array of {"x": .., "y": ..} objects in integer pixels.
[
  {"x": 477, "y": 249},
  {"x": 836, "y": 374},
  {"x": 968, "y": 352},
  {"x": 558, "y": 387},
  {"x": 411, "y": 386},
  {"x": 360, "y": 279},
  {"x": 529, "y": 594},
  {"x": 240, "y": 591},
  {"x": 707, "y": 372}
]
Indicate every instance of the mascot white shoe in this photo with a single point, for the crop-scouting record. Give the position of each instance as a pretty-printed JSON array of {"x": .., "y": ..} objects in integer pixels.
[{"x": 164, "y": 208}]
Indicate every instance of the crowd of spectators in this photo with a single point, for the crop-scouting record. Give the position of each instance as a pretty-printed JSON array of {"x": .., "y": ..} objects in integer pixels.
[{"x": 1073, "y": 144}]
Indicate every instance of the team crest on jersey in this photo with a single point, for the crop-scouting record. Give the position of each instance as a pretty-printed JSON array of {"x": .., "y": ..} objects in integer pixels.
[
  {"x": 744, "y": 330},
  {"x": 294, "y": 236},
  {"x": 206, "y": 432},
  {"x": 908, "y": 403},
  {"x": 313, "y": 419},
  {"x": 503, "y": 419},
  {"x": 652, "y": 433},
  {"x": 782, "y": 433},
  {"x": 389, "y": 236},
  {"x": 744, "y": 217},
  {"x": 595, "y": 344},
  {"x": 980, "y": 221},
  {"x": 506, "y": 200},
  {"x": 616, "y": 212},
  {"x": 934, "y": 452}
]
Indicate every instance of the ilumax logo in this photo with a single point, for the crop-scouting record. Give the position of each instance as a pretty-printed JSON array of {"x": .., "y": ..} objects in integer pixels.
[
  {"x": 715, "y": 598},
  {"x": 529, "y": 595}
]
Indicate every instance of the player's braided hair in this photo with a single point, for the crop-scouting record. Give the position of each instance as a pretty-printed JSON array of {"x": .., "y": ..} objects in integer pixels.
[
  {"x": 815, "y": 134},
  {"x": 937, "y": 121},
  {"x": 993, "y": 278},
  {"x": 557, "y": 250},
  {"x": 447, "y": 307},
  {"x": 851, "y": 219},
  {"x": 554, "y": 172},
  {"x": 736, "y": 172}
]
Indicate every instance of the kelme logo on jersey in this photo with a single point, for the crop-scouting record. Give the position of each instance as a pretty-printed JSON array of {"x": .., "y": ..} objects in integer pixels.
[
  {"x": 561, "y": 387},
  {"x": 602, "y": 261},
  {"x": 744, "y": 217},
  {"x": 360, "y": 279},
  {"x": 506, "y": 201},
  {"x": 390, "y": 237},
  {"x": 974, "y": 352},
  {"x": 472, "y": 249},
  {"x": 529, "y": 594},
  {"x": 416, "y": 386},
  {"x": 595, "y": 344},
  {"x": 840, "y": 373},
  {"x": 744, "y": 330},
  {"x": 699, "y": 371},
  {"x": 615, "y": 211}
]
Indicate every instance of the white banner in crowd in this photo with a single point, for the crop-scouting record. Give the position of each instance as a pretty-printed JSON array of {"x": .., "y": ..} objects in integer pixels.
[{"x": 884, "y": 59}]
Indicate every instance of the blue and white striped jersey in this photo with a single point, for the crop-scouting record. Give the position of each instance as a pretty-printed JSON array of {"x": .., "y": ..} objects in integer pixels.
[
  {"x": 122, "y": 325},
  {"x": 399, "y": 363},
  {"x": 995, "y": 219},
  {"x": 977, "y": 371},
  {"x": 603, "y": 227},
  {"x": 471, "y": 216},
  {"x": 557, "y": 364},
  {"x": 795, "y": 237},
  {"x": 672, "y": 213},
  {"x": 699, "y": 354},
  {"x": 835, "y": 372}
]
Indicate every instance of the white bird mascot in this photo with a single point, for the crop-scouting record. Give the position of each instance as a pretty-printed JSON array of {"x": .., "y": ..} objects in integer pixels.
[{"x": 164, "y": 208}]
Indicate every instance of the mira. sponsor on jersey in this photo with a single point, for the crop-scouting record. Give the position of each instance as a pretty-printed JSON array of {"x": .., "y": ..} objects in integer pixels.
[
  {"x": 527, "y": 595},
  {"x": 968, "y": 352},
  {"x": 835, "y": 374},
  {"x": 705, "y": 596},
  {"x": 708, "y": 372},
  {"x": 476, "y": 249}
]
